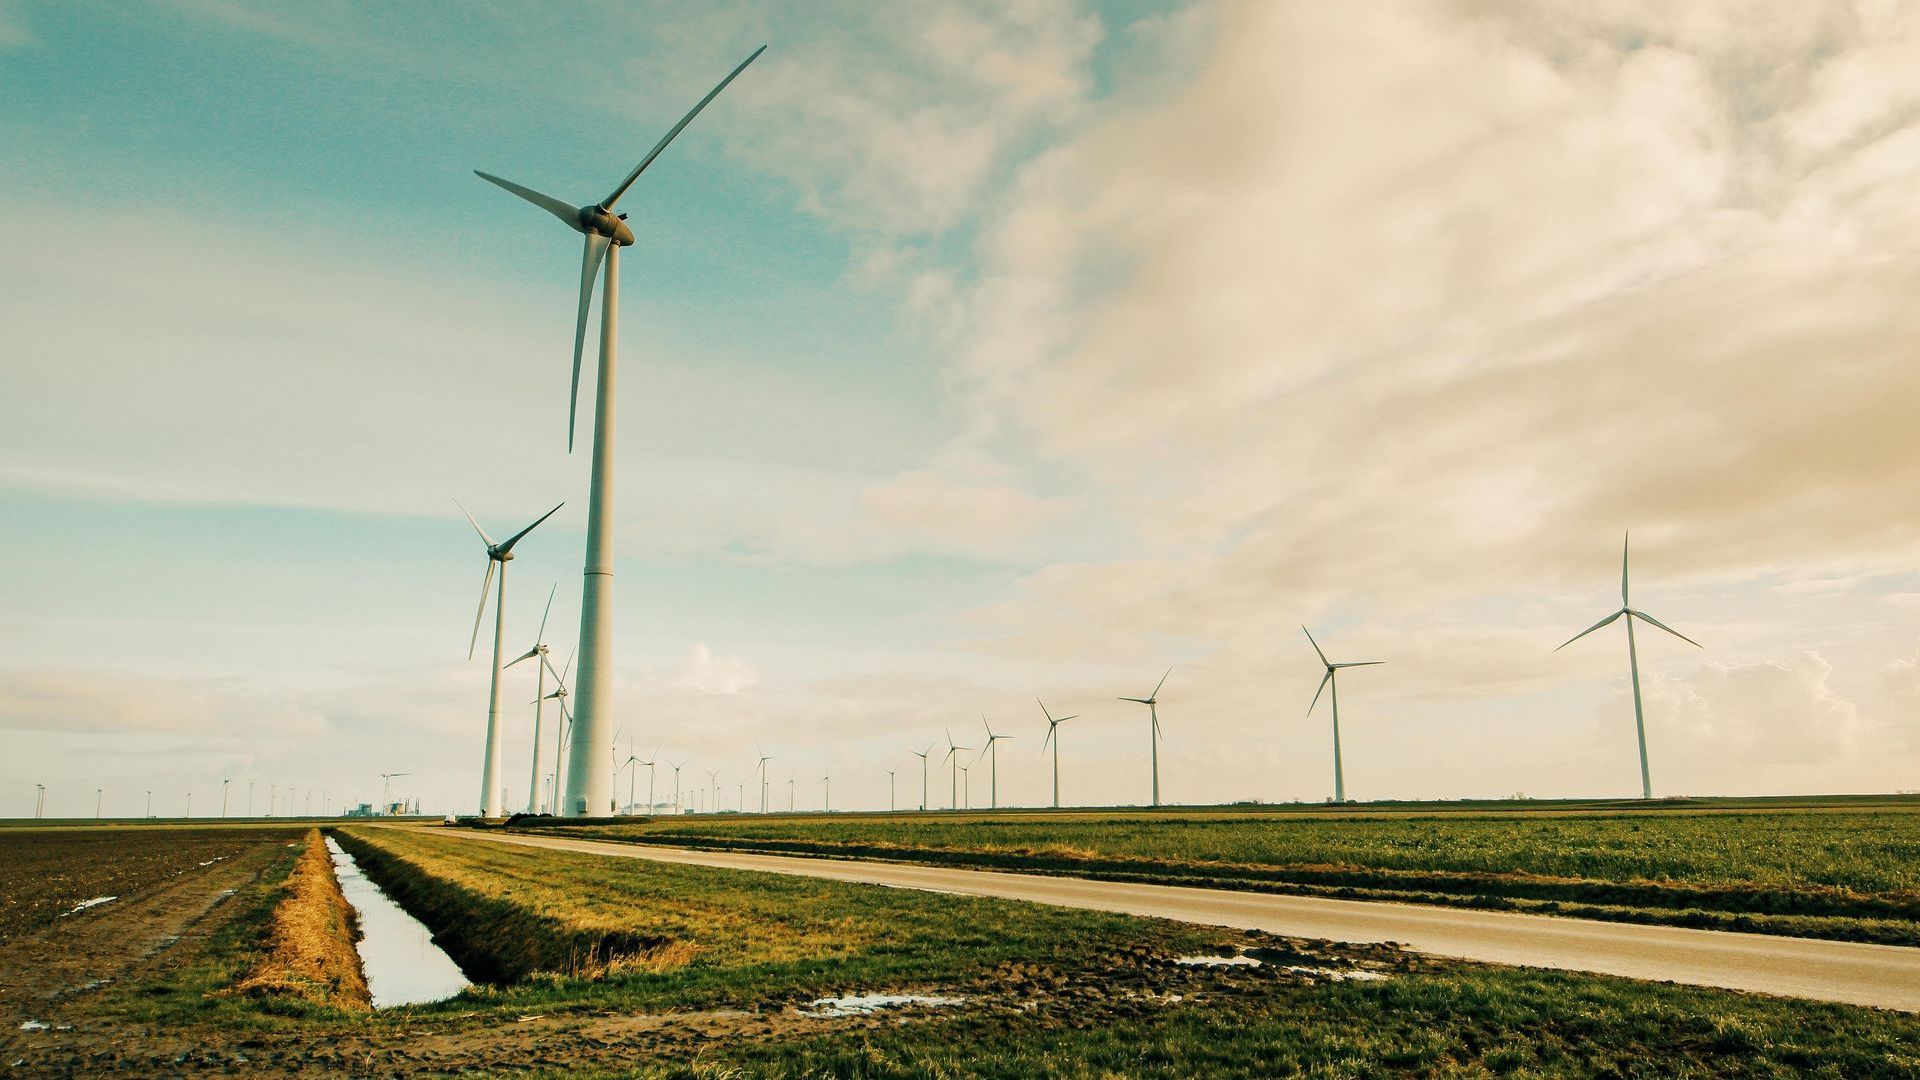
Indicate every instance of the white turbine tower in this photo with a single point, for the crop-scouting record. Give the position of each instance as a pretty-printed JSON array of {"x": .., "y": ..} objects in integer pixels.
[
  {"x": 1633, "y": 661},
  {"x": 491, "y": 797},
  {"x": 993, "y": 762},
  {"x": 589, "y": 784},
  {"x": 1052, "y": 723},
  {"x": 539, "y": 651},
  {"x": 1152, "y": 702},
  {"x": 1339, "y": 775}
]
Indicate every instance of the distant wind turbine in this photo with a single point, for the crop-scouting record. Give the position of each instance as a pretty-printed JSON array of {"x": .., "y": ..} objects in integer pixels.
[
  {"x": 993, "y": 761},
  {"x": 1339, "y": 775},
  {"x": 1152, "y": 702},
  {"x": 539, "y": 653},
  {"x": 606, "y": 233},
  {"x": 497, "y": 555},
  {"x": 953, "y": 755},
  {"x": 386, "y": 791},
  {"x": 563, "y": 731},
  {"x": 1052, "y": 723},
  {"x": 1633, "y": 661},
  {"x": 826, "y": 802},
  {"x": 889, "y": 791},
  {"x": 922, "y": 755},
  {"x": 764, "y": 758}
]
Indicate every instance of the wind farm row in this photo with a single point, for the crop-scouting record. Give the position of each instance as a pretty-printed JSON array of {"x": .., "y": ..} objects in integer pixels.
[{"x": 958, "y": 759}]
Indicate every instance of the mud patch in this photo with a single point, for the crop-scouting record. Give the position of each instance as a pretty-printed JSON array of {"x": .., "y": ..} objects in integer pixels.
[{"x": 868, "y": 1004}]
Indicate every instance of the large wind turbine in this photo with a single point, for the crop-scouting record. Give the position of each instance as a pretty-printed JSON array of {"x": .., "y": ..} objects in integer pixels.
[
  {"x": 589, "y": 784},
  {"x": 993, "y": 763},
  {"x": 1052, "y": 723},
  {"x": 764, "y": 758},
  {"x": 1339, "y": 776},
  {"x": 539, "y": 651},
  {"x": 1152, "y": 702},
  {"x": 497, "y": 555},
  {"x": 1633, "y": 661}
]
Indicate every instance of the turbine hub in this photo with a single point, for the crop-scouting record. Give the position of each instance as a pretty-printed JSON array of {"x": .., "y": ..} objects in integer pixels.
[{"x": 598, "y": 219}]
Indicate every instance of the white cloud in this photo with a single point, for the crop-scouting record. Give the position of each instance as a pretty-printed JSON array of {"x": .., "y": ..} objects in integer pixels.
[{"x": 715, "y": 674}]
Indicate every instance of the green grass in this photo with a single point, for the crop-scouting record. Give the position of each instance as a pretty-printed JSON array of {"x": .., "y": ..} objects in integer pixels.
[{"x": 1850, "y": 871}]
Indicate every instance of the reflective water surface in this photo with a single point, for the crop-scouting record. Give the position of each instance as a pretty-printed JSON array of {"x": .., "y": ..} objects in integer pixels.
[{"x": 403, "y": 965}]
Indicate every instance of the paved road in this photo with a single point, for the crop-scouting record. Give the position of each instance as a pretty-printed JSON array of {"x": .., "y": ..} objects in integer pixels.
[{"x": 1879, "y": 975}]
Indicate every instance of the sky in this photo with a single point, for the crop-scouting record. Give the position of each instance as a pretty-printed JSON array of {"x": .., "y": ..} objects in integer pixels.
[{"x": 972, "y": 354}]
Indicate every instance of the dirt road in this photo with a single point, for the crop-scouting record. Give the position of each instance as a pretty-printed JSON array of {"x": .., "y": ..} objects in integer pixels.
[{"x": 1882, "y": 976}]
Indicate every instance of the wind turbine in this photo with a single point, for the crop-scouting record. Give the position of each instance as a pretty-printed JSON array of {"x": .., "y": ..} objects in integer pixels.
[
  {"x": 1633, "y": 661},
  {"x": 922, "y": 755},
  {"x": 1152, "y": 702},
  {"x": 606, "y": 233},
  {"x": 539, "y": 652},
  {"x": 764, "y": 758},
  {"x": 826, "y": 804},
  {"x": 497, "y": 555},
  {"x": 714, "y": 775},
  {"x": 1052, "y": 723},
  {"x": 889, "y": 791},
  {"x": 993, "y": 763},
  {"x": 953, "y": 751},
  {"x": 564, "y": 730},
  {"x": 650, "y": 772},
  {"x": 1339, "y": 776},
  {"x": 633, "y": 773},
  {"x": 676, "y": 785}
]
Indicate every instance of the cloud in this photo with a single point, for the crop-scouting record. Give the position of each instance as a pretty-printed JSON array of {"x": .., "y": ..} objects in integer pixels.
[
  {"x": 86, "y": 700},
  {"x": 711, "y": 674}
]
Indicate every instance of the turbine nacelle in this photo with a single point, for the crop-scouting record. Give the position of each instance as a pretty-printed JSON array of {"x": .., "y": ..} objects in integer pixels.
[{"x": 600, "y": 221}]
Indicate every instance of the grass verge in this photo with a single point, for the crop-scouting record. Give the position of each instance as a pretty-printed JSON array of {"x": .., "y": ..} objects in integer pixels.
[{"x": 307, "y": 951}]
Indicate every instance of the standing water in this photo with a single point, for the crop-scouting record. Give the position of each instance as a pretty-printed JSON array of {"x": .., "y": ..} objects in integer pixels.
[{"x": 403, "y": 965}]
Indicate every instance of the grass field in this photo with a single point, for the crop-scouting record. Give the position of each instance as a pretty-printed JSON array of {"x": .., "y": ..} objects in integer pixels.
[
  {"x": 724, "y": 965},
  {"x": 1848, "y": 870}
]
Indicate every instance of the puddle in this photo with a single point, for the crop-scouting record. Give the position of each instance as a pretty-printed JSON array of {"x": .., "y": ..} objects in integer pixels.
[
  {"x": 35, "y": 1025},
  {"x": 1342, "y": 974},
  {"x": 403, "y": 965},
  {"x": 865, "y": 1004},
  {"x": 1217, "y": 961},
  {"x": 95, "y": 902}
]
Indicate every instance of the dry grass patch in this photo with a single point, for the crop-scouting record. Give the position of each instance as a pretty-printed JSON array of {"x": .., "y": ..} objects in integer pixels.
[{"x": 308, "y": 950}]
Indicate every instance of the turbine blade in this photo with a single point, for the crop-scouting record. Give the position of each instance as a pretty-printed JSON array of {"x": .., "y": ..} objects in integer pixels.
[
  {"x": 569, "y": 667},
  {"x": 541, "y": 638},
  {"x": 486, "y": 586},
  {"x": 1141, "y": 700},
  {"x": 1316, "y": 646},
  {"x": 1048, "y": 739},
  {"x": 1358, "y": 663},
  {"x": 1155, "y": 696},
  {"x": 1644, "y": 617},
  {"x": 1064, "y": 719},
  {"x": 475, "y": 524},
  {"x": 1591, "y": 629},
  {"x": 590, "y": 258},
  {"x": 515, "y": 538},
  {"x": 1624, "y": 541},
  {"x": 677, "y": 129},
  {"x": 1324, "y": 680},
  {"x": 523, "y": 656},
  {"x": 565, "y": 211}
]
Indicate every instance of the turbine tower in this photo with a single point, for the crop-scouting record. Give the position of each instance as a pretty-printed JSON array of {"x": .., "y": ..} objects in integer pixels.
[
  {"x": 497, "y": 555},
  {"x": 764, "y": 758},
  {"x": 1052, "y": 723},
  {"x": 589, "y": 783},
  {"x": 993, "y": 763},
  {"x": 538, "y": 651},
  {"x": 1633, "y": 661},
  {"x": 1152, "y": 702},
  {"x": 1339, "y": 776}
]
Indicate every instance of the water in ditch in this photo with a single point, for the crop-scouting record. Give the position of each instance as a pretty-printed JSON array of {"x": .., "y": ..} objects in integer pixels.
[{"x": 403, "y": 965}]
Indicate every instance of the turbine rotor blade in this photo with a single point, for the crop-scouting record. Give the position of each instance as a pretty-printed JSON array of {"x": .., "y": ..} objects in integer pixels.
[
  {"x": 522, "y": 656},
  {"x": 541, "y": 638},
  {"x": 1624, "y": 602},
  {"x": 1048, "y": 739},
  {"x": 1064, "y": 719},
  {"x": 1644, "y": 617},
  {"x": 515, "y": 538},
  {"x": 1324, "y": 680},
  {"x": 488, "y": 540},
  {"x": 1316, "y": 646},
  {"x": 486, "y": 586},
  {"x": 565, "y": 211},
  {"x": 1358, "y": 663},
  {"x": 1155, "y": 696},
  {"x": 1591, "y": 629},
  {"x": 1140, "y": 700},
  {"x": 677, "y": 129},
  {"x": 591, "y": 257}
]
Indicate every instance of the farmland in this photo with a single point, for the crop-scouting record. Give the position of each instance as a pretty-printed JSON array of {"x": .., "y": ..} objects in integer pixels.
[
  {"x": 1848, "y": 870},
  {"x": 594, "y": 966}
]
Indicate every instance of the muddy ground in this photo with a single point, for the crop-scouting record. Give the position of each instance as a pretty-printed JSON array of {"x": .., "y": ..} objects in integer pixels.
[{"x": 75, "y": 975}]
